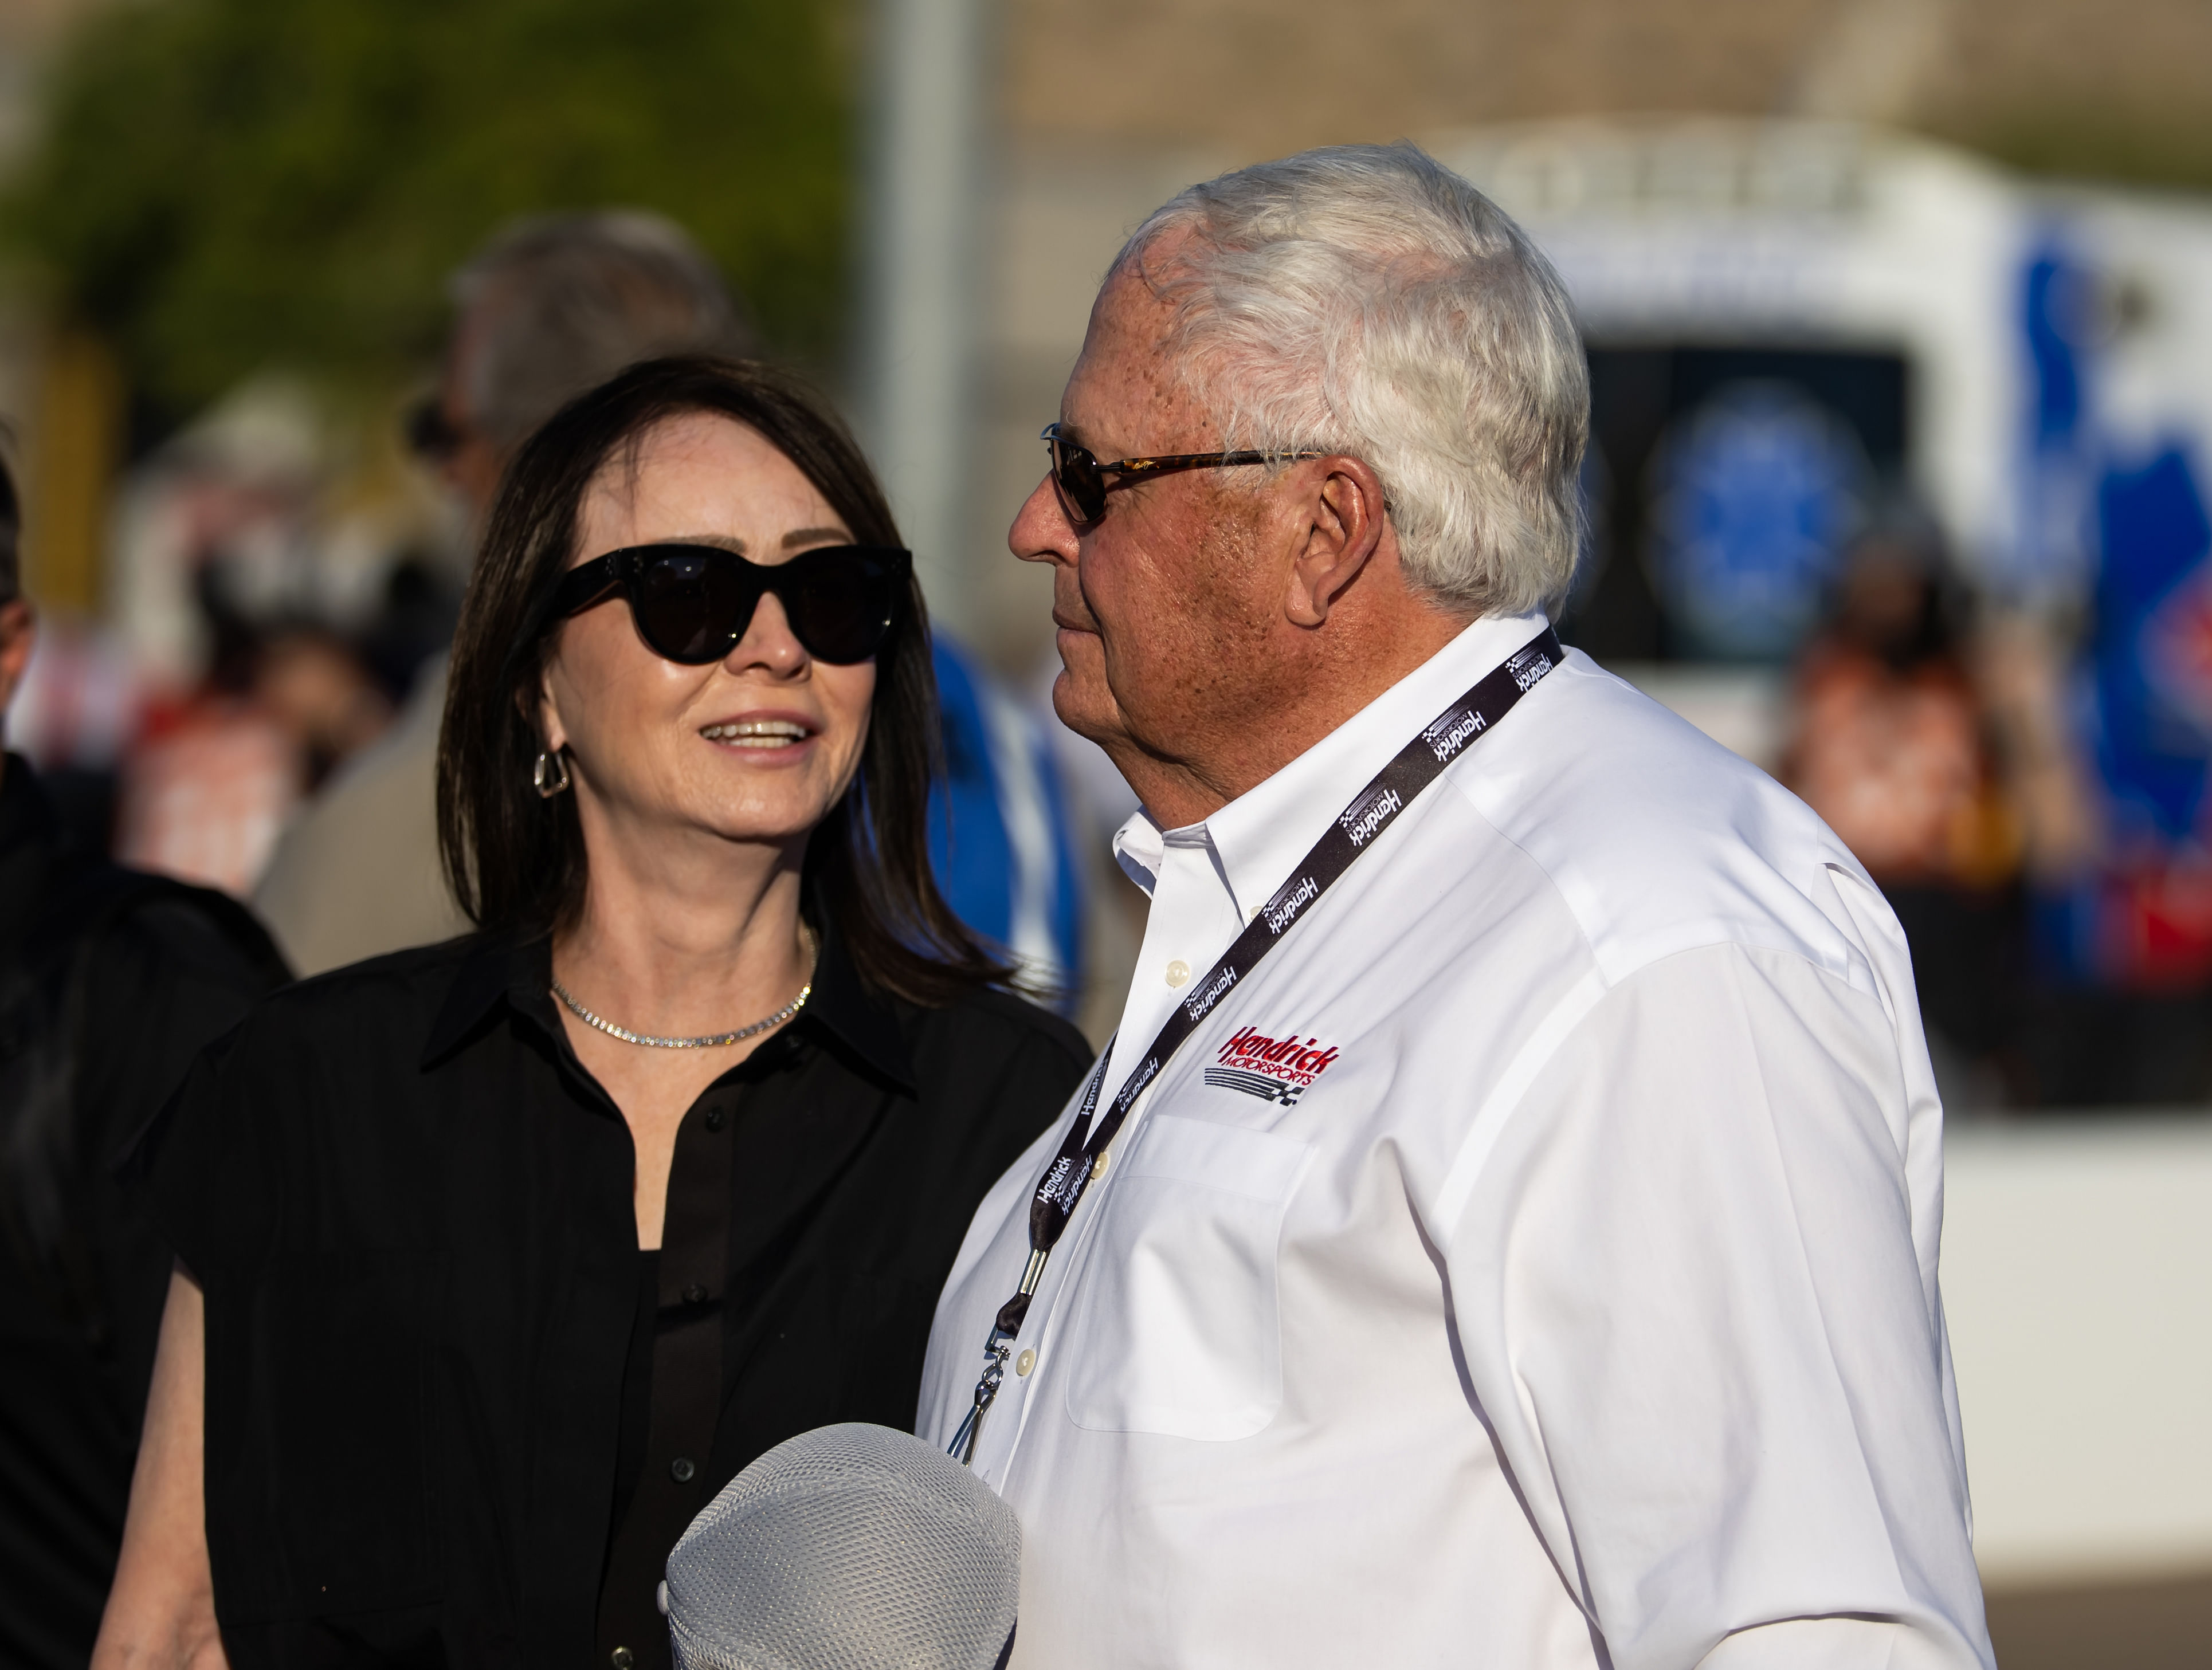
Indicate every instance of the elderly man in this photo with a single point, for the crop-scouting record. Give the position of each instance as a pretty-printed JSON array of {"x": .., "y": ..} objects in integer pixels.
[{"x": 1504, "y": 1231}]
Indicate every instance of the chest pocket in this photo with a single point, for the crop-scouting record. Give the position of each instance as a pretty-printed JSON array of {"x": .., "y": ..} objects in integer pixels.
[{"x": 1175, "y": 1331}]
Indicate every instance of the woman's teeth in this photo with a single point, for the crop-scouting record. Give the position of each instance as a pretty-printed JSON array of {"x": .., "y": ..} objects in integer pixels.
[{"x": 757, "y": 733}]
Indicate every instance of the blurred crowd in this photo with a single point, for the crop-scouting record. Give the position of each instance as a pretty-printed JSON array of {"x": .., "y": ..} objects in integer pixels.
[
  {"x": 2060, "y": 941},
  {"x": 1934, "y": 745},
  {"x": 234, "y": 672}
]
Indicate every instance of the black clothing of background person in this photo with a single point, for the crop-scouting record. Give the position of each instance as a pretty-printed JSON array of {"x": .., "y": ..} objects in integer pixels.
[
  {"x": 410, "y": 1211},
  {"x": 110, "y": 982}
]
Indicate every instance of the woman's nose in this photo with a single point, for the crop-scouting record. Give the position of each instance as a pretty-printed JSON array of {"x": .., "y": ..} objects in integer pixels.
[{"x": 768, "y": 642}]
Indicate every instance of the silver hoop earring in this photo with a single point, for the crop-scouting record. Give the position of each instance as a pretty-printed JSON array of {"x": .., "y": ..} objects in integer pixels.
[{"x": 550, "y": 777}]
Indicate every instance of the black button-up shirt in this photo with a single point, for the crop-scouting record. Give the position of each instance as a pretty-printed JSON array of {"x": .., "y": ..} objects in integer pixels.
[{"x": 410, "y": 1210}]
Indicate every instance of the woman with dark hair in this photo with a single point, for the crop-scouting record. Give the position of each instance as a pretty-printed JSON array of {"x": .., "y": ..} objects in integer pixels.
[{"x": 505, "y": 1254}]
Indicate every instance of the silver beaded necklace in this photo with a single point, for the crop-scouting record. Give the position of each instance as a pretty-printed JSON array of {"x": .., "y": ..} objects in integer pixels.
[{"x": 713, "y": 1039}]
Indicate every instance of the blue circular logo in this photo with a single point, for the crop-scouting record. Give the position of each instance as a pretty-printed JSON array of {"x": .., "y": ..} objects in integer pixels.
[{"x": 1754, "y": 496}]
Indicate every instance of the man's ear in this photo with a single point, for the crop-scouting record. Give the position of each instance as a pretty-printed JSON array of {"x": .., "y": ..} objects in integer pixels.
[
  {"x": 1342, "y": 522},
  {"x": 19, "y": 630}
]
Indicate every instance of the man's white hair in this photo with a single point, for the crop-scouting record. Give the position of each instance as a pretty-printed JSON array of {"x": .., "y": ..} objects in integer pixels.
[{"x": 1365, "y": 300}]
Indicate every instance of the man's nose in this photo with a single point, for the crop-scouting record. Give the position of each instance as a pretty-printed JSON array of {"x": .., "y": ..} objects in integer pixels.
[{"x": 1041, "y": 532}]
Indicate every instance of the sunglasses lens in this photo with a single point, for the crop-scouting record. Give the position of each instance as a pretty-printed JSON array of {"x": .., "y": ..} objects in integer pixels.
[
  {"x": 691, "y": 605},
  {"x": 1076, "y": 474},
  {"x": 841, "y": 601}
]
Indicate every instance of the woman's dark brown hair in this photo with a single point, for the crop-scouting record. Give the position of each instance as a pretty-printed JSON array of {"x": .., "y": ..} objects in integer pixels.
[{"x": 516, "y": 862}]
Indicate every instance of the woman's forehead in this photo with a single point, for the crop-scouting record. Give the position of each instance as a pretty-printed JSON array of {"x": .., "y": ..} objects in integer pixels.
[{"x": 700, "y": 474}]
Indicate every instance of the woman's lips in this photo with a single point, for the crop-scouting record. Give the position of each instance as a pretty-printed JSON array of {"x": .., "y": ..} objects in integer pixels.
[{"x": 757, "y": 733}]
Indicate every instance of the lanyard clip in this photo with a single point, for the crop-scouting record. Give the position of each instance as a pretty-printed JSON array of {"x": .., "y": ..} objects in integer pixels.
[
  {"x": 996, "y": 1350},
  {"x": 995, "y": 1353}
]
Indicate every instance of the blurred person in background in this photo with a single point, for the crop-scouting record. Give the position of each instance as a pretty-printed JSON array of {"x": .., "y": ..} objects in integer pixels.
[
  {"x": 551, "y": 307},
  {"x": 1893, "y": 746},
  {"x": 490, "y": 1294},
  {"x": 250, "y": 697},
  {"x": 206, "y": 788},
  {"x": 110, "y": 982}
]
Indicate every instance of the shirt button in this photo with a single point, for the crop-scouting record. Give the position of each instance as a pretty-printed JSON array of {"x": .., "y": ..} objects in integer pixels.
[
  {"x": 683, "y": 1470},
  {"x": 1025, "y": 1362},
  {"x": 622, "y": 1658},
  {"x": 1178, "y": 973},
  {"x": 716, "y": 1119},
  {"x": 695, "y": 1294}
]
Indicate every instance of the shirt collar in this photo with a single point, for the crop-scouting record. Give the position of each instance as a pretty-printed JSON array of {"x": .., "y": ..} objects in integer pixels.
[
  {"x": 844, "y": 1007},
  {"x": 519, "y": 972},
  {"x": 493, "y": 968},
  {"x": 1256, "y": 839}
]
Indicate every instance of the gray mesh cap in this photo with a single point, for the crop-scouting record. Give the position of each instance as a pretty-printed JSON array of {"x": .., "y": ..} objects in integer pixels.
[{"x": 852, "y": 1547}]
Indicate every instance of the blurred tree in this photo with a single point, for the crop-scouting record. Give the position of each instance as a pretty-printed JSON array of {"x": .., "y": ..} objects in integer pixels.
[{"x": 223, "y": 183}]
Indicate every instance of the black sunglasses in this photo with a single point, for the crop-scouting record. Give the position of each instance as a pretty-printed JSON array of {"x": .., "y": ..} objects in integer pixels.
[
  {"x": 692, "y": 604},
  {"x": 1081, "y": 481}
]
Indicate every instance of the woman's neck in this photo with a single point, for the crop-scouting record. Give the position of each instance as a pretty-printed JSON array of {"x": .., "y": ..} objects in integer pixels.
[{"x": 694, "y": 937}]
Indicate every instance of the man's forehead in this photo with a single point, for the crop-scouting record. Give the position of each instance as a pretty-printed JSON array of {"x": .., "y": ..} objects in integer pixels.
[{"x": 1124, "y": 370}]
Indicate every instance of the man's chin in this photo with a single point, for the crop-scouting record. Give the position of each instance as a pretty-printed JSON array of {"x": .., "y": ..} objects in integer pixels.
[{"x": 1085, "y": 708}]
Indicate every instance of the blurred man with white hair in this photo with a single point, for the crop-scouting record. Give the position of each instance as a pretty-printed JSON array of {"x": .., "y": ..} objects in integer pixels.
[{"x": 1504, "y": 1231}]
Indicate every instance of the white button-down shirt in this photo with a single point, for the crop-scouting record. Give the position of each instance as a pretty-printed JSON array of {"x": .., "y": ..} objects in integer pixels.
[{"x": 1531, "y": 1263}]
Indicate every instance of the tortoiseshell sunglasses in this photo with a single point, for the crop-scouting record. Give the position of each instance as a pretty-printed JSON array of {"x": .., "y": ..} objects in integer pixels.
[{"x": 1081, "y": 481}]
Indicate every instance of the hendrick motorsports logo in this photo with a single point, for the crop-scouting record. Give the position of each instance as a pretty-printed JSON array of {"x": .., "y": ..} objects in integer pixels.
[
  {"x": 1278, "y": 1069},
  {"x": 1529, "y": 666},
  {"x": 1370, "y": 813},
  {"x": 1453, "y": 732},
  {"x": 1055, "y": 1182},
  {"x": 1200, "y": 1003},
  {"x": 1283, "y": 909}
]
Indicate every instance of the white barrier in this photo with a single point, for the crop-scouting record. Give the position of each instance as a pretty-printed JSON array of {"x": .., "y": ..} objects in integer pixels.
[{"x": 2077, "y": 1279}]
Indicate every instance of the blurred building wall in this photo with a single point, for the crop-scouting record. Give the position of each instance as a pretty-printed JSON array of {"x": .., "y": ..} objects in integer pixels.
[
  {"x": 1263, "y": 78},
  {"x": 2077, "y": 1278}
]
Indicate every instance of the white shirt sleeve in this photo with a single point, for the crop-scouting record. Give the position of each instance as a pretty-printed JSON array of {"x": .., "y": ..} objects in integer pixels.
[{"x": 1688, "y": 1288}]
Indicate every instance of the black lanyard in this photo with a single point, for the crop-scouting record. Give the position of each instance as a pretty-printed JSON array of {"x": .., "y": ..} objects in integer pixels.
[{"x": 1372, "y": 810}]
